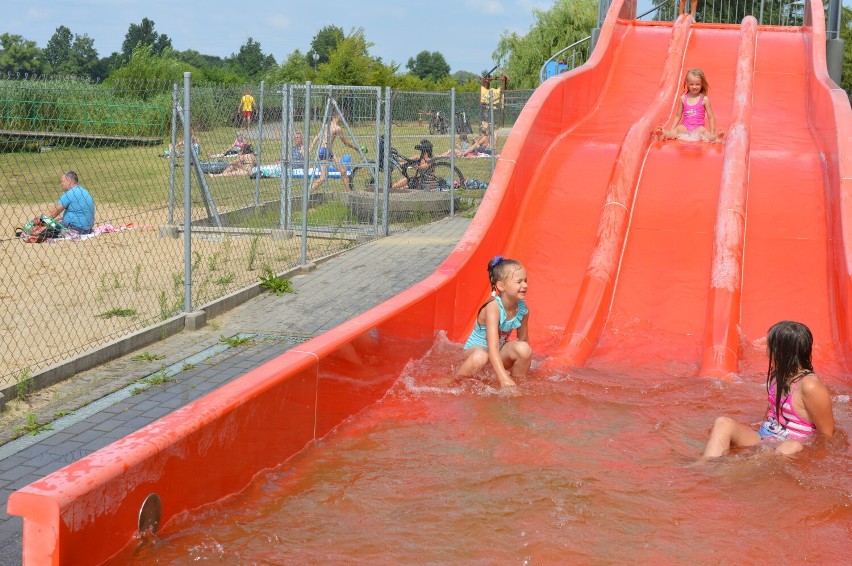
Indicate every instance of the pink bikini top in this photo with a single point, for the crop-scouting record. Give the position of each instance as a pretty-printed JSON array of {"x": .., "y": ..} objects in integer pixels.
[{"x": 797, "y": 427}]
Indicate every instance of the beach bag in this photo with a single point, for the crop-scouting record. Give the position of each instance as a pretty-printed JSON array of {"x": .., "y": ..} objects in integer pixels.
[{"x": 39, "y": 230}]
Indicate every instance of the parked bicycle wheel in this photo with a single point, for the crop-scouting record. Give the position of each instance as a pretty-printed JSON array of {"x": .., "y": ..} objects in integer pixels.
[
  {"x": 462, "y": 124},
  {"x": 362, "y": 179},
  {"x": 438, "y": 177}
]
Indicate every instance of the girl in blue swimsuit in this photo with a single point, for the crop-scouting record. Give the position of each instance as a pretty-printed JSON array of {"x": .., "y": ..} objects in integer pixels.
[{"x": 504, "y": 312}]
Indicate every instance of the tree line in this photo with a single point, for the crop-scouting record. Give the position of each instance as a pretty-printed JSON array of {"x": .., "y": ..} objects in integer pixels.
[{"x": 334, "y": 57}]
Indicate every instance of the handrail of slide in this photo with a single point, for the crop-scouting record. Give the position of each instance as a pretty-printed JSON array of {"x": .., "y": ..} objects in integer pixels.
[
  {"x": 831, "y": 123},
  {"x": 721, "y": 330},
  {"x": 596, "y": 291}
]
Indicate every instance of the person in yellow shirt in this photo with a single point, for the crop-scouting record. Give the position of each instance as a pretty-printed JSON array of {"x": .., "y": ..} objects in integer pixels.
[{"x": 245, "y": 108}]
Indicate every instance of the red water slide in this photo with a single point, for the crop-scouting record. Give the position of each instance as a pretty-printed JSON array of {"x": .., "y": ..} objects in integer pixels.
[{"x": 634, "y": 247}]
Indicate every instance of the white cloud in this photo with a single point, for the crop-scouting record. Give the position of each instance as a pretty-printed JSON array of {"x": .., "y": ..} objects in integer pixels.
[
  {"x": 278, "y": 21},
  {"x": 487, "y": 7}
]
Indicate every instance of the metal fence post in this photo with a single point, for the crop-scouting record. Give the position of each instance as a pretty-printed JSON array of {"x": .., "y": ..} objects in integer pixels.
[
  {"x": 172, "y": 157},
  {"x": 452, "y": 151},
  {"x": 375, "y": 168},
  {"x": 306, "y": 174},
  {"x": 386, "y": 164},
  {"x": 286, "y": 125},
  {"x": 259, "y": 148},
  {"x": 492, "y": 132},
  {"x": 187, "y": 200}
]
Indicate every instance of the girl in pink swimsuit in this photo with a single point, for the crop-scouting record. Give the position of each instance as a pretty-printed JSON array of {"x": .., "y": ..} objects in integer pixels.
[
  {"x": 694, "y": 107},
  {"x": 799, "y": 404}
]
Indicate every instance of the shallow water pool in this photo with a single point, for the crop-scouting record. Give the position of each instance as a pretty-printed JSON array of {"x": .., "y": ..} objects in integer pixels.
[{"x": 595, "y": 465}]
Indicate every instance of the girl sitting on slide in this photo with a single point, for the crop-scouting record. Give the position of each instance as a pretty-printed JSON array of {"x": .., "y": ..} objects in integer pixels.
[{"x": 694, "y": 107}]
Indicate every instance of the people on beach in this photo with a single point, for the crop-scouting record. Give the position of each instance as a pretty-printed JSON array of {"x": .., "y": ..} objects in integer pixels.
[
  {"x": 246, "y": 108},
  {"x": 243, "y": 165},
  {"x": 326, "y": 138},
  {"x": 177, "y": 149},
  {"x": 689, "y": 122},
  {"x": 422, "y": 159},
  {"x": 235, "y": 148},
  {"x": 506, "y": 310},
  {"x": 75, "y": 207},
  {"x": 462, "y": 147},
  {"x": 482, "y": 144},
  {"x": 297, "y": 152},
  {"x": 798, "y": 402}
]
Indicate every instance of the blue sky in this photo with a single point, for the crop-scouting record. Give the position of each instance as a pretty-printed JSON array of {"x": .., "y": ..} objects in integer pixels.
[{"x": 464, "y": 31}]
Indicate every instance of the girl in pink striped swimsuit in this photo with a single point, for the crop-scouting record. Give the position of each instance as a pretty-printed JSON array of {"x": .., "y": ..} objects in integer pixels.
[
  {"x": 694, "y": 107},
  {"x": 799, "y": 404}
]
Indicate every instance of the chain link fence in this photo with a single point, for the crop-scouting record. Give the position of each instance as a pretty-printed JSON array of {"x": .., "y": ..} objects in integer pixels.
[{"x": 237, "y": 183}]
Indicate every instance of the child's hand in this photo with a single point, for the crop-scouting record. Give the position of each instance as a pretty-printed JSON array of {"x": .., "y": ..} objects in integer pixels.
[{"x": 506, "y": 381}]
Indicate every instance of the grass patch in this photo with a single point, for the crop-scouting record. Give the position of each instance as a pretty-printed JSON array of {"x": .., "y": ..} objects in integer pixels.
[
  {"x": 25, "y": 385},
  {"x": 234, "y": 341},
  {"x": 275, "y": 284},
  {"x": 159, "y": 378},
  {"x": 225, "y": 280},
  {"x": 117, "y": 312},
  {"x": 31, "y": 426},
  {"x": 148, "y": 357},
  {"x": 332, "y": 213},
  {"x": 187, "y": 366},
  {"x": 252, "y": 253},
  {"x": 62, "y": 413}
]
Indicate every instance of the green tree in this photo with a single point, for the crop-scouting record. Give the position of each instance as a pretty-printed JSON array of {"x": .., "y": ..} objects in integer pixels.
[
  {"x": 84, "y": 55},
  {"x": 199, "y": 60},
  {"x": 144, "y": 34},
  {"x": 324, "y": 43},
  {"x": 294, "y": 69},
  {"x": 250, "y": 62},
  {"x": 104, "y": 66},
  {"x": 563, "y": 24},
  {"x": 57, "y": 52},
  {"x": 428, "y": 65},
  {"x": 145, "y": 64},
  {"x": 350, "y": 63},
  {"x": 382, "y": 75},
  {"x": 846, "y": 36},
  {"x": 20, "y": 55},
  {"x": 69, "y": 54}
]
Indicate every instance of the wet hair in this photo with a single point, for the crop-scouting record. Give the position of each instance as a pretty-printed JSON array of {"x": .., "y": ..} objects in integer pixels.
[
  {"x": 789, "y": 345},
  {"x": 499, "y": 268},
  {"x": 698, "y": 74},
  {"x": 71, "y": 175}
]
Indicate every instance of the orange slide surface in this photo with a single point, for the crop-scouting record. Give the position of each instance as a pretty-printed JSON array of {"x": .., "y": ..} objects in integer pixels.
[{"x": 666, "y": 255}]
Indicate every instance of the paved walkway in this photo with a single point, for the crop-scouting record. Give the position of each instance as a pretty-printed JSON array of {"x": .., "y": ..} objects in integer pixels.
[{"x": 109, "y": 402}]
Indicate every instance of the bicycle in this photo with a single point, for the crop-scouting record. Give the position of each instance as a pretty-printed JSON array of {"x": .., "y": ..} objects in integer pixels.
[
  {"x": 462, "y": 124},
  {"x": 439, "y": 176},
  {"x": 437, "y": 122}
]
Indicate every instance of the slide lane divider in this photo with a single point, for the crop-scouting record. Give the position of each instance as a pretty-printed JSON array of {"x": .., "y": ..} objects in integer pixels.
[
  {"x": 593, "y": 301},
  {"x": 720, "y": 352}
]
